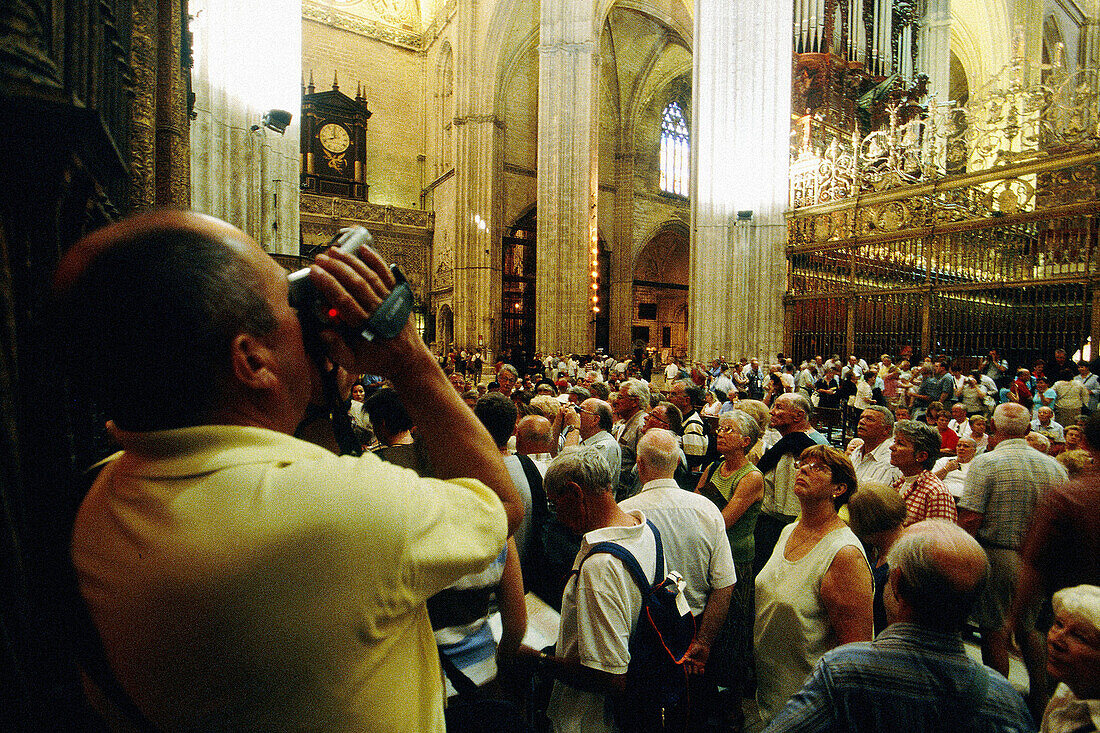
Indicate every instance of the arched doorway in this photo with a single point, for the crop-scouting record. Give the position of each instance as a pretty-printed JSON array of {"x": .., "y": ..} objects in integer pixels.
[
  {"x": 445, "y": 328},
  {"x": 517, "y": 308},
  {"x": 660, "y": 301}
]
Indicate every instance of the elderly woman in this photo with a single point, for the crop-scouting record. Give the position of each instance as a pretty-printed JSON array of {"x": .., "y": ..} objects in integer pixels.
[
  {"x": 1073, "y": 660},
  {"x": 815, "y": 592},
  {"x": 736, "y": 487},
  {"x": 952, "y": 470},
  {"x": 877, "y": 515},
  {"x": 915, "y": 450}
]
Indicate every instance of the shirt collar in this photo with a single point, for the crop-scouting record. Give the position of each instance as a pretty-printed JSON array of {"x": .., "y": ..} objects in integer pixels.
[
  {"x": 1013, "y": 443},
  {"x": 908, "y": 632},
  {"x": 205, "y": 448},
  {"x": 593, "y": 439},
  {"x": 613, "y": 534},
  {"x": 661, "y": 483}
]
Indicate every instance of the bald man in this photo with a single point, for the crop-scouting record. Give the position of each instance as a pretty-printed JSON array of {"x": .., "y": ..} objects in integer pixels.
[
  {"x": 1003, "y": 488},
  {"x": 696, "y": 546},
  {"x": 915, "y": 675},
  {"x": 595, "y": 420},
  {"x": 240, "y": 578},
  {"x": 534, "y": 439}
]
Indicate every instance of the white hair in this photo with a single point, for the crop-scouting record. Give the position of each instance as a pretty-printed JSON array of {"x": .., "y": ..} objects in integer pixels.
[{"x": 1082, "y": 602}]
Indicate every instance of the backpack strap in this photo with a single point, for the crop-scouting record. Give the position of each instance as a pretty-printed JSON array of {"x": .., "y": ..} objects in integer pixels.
[{"x": 631, "y": 562}]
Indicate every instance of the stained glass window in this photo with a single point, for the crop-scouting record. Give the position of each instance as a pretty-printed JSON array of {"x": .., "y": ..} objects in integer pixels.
[{"x": 675, "y": 151}]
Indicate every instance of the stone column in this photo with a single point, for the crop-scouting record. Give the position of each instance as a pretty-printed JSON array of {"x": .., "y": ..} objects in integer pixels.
[
  {"x": 741, "y": 85},
  {"x": 935, "y": 48},
  {"x": 567, "y": 173},
  {"x": 622, "y": 258},
  {"x": 478, "y": 156},
  {"x": 1089, "y": 53}
]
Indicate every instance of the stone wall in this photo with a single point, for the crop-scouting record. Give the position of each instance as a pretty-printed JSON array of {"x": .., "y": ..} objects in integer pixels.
[{"x": 393, "y": 78}]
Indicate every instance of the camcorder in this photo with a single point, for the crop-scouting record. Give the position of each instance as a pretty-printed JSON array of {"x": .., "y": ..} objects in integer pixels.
[{"x": 316, "y": 314}]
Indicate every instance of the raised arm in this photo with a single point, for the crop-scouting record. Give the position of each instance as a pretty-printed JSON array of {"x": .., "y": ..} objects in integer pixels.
[{"x": 456, "y": 441}]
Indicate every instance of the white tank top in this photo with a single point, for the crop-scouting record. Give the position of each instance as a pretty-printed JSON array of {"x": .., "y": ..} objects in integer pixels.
[{"x": 792, "y": 627}]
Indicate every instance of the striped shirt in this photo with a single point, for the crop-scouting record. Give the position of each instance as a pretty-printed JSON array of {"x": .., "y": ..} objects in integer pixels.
[{"x": 909, "y": 678}]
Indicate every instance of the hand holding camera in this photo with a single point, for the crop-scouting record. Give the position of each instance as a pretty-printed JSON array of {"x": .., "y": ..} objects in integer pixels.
[{"x": 356, "y": 305}]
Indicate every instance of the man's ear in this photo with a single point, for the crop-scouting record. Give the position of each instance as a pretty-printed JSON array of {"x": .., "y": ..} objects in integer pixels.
[{"x": 252, "y": 362}]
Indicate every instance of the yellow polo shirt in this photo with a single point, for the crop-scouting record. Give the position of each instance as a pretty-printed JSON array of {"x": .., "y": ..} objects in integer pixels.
[{"x": 244, "y": 579}]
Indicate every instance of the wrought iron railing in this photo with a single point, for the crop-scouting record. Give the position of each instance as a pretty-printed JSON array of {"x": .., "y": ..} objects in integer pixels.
[{"x": 957, "y": 232}]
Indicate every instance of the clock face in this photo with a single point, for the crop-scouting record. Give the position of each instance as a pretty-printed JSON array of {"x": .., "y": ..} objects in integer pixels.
[{"x": 334, "y": 138}]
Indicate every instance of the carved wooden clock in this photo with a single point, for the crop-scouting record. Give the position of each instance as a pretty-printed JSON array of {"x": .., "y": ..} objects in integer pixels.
[{"x": 333, "y": 148}]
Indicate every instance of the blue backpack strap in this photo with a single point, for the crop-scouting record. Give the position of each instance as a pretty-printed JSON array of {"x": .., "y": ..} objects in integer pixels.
[
  {"x": 631, "y": 562},
  {"x": 659, "y": 566}
]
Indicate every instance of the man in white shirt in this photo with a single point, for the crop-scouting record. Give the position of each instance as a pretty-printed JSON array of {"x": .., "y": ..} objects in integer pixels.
[
  {"x": 601, "y": 602},
  {"x": 959, "y": 422},
  {"x": 1044, "y": 424},
  {"x": 953, "y": 469},
  {"x": 595, "y": 430},
  {"x": 696, "y": 546},
  {"x": 870, "y": 452}
]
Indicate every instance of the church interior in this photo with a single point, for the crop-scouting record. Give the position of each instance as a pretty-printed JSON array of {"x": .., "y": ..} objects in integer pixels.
[{"x": 708, "y": 178}]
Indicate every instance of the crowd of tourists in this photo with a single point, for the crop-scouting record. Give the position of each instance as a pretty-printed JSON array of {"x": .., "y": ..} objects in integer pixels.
[
  {"x": 964, "y": 457},
  {"x": 259, "y": 556}
]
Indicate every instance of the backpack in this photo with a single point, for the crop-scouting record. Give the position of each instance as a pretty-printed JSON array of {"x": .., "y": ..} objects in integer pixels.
[
  {"x": 656, "y": 694},
  {"x": 540, "y": 516}
]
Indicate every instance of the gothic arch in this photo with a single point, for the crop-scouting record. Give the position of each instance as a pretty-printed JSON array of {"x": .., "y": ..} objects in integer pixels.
[
  {"x": 445, "y": 77},
  {"x": 981, "y": 37},
  {"x": 445, "y": 328},
  {"x": 659, "y": 299}
]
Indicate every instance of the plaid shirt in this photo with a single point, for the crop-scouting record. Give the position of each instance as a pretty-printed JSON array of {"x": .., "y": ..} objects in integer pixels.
[
  {"x": 1004, "y": 485},
  {"x": 926, "y": 498}
]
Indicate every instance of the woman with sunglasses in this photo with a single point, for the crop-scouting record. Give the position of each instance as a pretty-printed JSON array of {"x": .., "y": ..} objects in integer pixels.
[{"x": 815, "y": 592}]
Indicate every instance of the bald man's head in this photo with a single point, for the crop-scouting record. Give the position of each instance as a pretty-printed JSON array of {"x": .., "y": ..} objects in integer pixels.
[
  {"x": 1011, "y": 420},
  {"x": 150, "y": 308},
  {"x": 533, "y": 435},
  {"x": 937, "y": 571},
  {"x": 658, "y": 454}
]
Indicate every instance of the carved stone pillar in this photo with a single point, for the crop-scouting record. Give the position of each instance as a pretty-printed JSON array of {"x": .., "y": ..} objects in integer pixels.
[
  {"x": 160, "y": 151},
  {"x": 567, "y": 173},
  {"x": 479, "y": 169},
  {"x": 173, "y": 167},
  {"x": 740, "y": 131},
  {"x": 1089, "y": 55},
  {"x": 143, "y": 107},
  {"x": 622, "y": 259}
]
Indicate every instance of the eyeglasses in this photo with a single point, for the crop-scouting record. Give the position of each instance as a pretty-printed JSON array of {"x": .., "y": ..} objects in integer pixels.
[
  {"x": 655, "y": 417},
  {"x": 812, "y": 466},
  {"x": 724, "y": 431}
]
